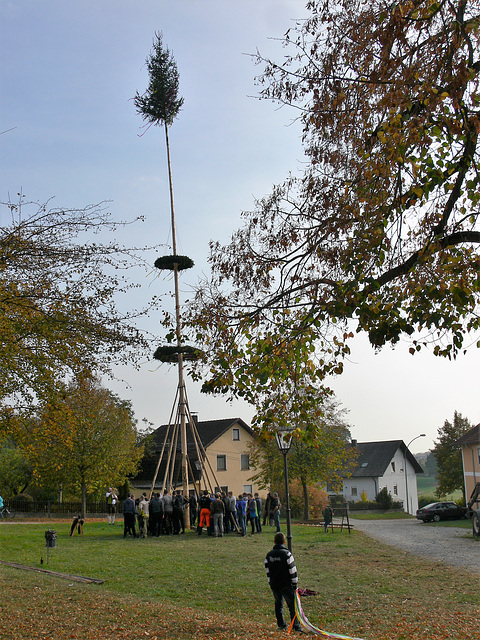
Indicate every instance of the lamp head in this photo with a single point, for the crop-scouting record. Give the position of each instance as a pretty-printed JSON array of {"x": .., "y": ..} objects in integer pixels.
[{"x": 283, "y": 438}]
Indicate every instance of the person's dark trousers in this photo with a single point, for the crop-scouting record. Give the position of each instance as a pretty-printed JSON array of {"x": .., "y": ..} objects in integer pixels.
[
  {"x": 286, "y": 593},
  {"x": 167, "y": 522},
  {"x": 258, "y": 524},
  {"x": 129, "y": 524},
  {"x": 226, "y": 522},
  {"x": 178, "y": 522},
  {"x": 155, "y": 523}
]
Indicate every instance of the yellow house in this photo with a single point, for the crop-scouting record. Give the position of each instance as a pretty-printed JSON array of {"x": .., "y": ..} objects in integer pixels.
[
  {"x": 470, "y": 443},
  {"x": 223, "y": 463}
]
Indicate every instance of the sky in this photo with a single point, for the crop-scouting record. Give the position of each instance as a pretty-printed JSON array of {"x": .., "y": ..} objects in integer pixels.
[{"x": 70, "y": 133}]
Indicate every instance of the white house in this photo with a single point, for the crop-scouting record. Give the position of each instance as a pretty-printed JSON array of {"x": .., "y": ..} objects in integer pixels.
[{"x": 384, "y": 464}]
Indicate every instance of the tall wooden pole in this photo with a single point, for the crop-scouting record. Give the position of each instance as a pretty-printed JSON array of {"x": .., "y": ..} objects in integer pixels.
[{"x": 181, "y": 379}]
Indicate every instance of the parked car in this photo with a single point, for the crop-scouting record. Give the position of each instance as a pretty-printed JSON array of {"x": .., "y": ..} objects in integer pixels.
[{"x": 437, "y": 511}]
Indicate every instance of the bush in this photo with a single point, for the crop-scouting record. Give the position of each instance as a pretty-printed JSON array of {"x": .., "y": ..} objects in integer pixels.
[
  {"x": 384, "y": 499},
  {"x": 317, "y": 501}
]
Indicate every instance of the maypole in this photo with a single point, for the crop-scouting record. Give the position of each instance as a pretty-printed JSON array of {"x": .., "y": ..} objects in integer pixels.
[{"x": 159, "y": 105}]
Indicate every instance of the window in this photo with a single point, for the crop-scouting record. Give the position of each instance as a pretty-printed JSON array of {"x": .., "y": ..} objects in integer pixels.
[
  {"x": 393, "y": 466},
  {"x": 236, "y": 434},
  {"x": 221, "y": 463},
  {"x": 478, "y": 453},
  {"x": 247, "y": 488},
  {"x": 223, "y": 488},
  {"x": 245, "y": 461},
  {"x": 354, "y": 491},
  {"x": 395, "y": 490}
]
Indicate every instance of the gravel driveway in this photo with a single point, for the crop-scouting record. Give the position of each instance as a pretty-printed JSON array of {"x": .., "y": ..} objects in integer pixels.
[{"x": 452, "y": 546}]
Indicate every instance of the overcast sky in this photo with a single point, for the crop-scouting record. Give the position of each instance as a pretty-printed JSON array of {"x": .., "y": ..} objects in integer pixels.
[{"x": 68, "y": 74}]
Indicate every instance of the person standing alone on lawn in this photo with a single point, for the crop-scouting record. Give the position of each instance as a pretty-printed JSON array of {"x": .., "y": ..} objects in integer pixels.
[
  {"x": 283, "y": 579},
  {"x": 327, "y": 517},
  {"x": 111, "y": 499}
]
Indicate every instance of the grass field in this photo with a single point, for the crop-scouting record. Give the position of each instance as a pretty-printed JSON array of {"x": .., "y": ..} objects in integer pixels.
[
  {"x": 426, "y": 487},
  {"x": 189, "y": 586}
]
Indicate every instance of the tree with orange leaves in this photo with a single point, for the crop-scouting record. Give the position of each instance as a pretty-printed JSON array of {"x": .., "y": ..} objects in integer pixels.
[
  {"x": 380, "y": 234},
  {"x": 84, "y": 439}
]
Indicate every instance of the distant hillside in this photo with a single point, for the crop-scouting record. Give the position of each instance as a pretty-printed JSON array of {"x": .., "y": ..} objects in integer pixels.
[{"x": 428, "y": 463}]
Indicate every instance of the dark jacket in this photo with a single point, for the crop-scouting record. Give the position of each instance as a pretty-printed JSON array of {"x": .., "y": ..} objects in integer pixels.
[
  {"x": 156, "y": 505},
  {"x": 128, "y": 506},
  {"x": 217, "y": 506},
  {"x": 204, "y": 502},
  {"x": 280, "y": 568}
]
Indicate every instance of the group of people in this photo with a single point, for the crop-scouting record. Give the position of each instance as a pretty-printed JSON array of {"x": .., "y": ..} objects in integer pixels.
[{"x": 220, "y": 513}]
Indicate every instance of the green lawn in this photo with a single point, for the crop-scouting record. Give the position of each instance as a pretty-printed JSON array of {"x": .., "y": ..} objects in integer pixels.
[{"x": 190, "y": 586}]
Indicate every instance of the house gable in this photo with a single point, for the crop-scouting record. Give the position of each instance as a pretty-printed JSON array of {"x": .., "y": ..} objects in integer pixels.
[
  {"x": 384, "y": 464},
  {"x": 374, "y": 458},
  {"x": 472, "y": 437},
  {"x": 470, "y": 444},
  {"x": 218, "y": 440}
]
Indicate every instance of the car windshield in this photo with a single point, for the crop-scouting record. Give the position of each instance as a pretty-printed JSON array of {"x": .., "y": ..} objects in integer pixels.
[{"x": 432, "y": 505}]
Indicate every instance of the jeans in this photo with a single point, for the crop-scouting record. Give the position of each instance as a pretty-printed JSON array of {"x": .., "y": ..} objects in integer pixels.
[
  {"x": 276, "y": 520},
  {"x": 242, "y": 525},
  {"x": 218, "y": 524},
  {"x": 286, "y": 593}
]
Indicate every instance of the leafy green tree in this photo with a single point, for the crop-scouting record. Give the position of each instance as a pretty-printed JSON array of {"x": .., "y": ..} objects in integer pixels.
[
  {"x": 380, "y": 233},
  {"x": 15, "y": 470},
  {"x": 448, "y": 455},
  {"x": 321, "y": 459},
  {"x": 59, "y": 301},
  {"x": 85, "y": 439},
  {"x": 430, "y": 465}
]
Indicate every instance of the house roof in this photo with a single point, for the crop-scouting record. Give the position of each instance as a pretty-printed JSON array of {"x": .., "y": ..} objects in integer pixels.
[
  {"x": 471, "y": 437},
  {"x": 208, "y": 431},
  {"x": 375, "y": 457}
]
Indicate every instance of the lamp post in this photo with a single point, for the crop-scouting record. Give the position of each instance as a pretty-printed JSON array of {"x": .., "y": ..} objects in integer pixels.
[
  {"x": 422, "y": 435},
  {"x": 284, "y": 442}
]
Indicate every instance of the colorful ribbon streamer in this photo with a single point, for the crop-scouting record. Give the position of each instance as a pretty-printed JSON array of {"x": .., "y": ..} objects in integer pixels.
[{"x": 310, "y": 627}]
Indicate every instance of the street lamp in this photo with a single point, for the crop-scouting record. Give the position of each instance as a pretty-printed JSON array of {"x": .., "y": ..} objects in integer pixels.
[
  {"x": 422, "y": 435},
  {"x": 283, "y": 438}
]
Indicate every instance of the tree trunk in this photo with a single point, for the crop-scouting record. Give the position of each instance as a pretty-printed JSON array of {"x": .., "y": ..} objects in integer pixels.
[
  {"x": 84, "y": 500},
  {"x": 306, "y": 505}
]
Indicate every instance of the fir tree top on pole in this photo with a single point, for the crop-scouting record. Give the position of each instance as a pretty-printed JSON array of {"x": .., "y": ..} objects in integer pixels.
[{"x": 160, "y": 103}]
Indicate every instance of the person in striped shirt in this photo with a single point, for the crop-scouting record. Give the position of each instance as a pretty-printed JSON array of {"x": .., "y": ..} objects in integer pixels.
[{"x": 283, "y": 579}]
